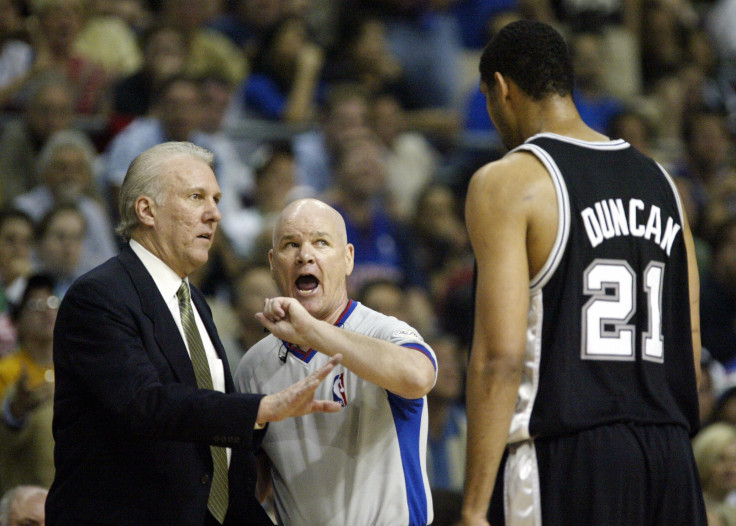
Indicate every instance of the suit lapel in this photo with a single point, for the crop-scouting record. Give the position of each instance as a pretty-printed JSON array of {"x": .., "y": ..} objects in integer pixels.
[
  {"x": 165, "y": 331},
  {"x": 205, "y": 313}
]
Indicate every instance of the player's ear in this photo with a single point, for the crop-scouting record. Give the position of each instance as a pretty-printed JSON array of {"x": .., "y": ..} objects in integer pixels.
[{"x": 502, "y": 85}]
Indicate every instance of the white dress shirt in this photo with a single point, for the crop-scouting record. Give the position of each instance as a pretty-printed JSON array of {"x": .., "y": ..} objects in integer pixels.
[{"x": 168, "y": 283}]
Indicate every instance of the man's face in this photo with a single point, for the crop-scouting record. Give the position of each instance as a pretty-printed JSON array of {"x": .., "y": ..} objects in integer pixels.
[
  {"x": 61, "y": 245},
  {"x": 16, "y": 243},
  {"x": 184, "y": 224},
  {"x": 68, "y": 174},
  {"x": 311, "y": 259},
  {"x": 179, "y": 111}
]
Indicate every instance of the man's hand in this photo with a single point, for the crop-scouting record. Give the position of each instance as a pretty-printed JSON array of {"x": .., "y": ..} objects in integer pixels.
[
  {"x": 286, "y": 319},
  {"x": 298, "y": 399}
]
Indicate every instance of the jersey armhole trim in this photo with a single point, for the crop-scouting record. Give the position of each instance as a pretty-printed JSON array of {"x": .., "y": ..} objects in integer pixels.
[{"x": 563, "y": 216}]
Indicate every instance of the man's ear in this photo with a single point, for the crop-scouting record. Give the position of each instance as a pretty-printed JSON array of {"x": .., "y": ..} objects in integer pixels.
[
  {"x": 349, "y": 258},
  {"x": 145, "y": 210},
  {"x": 502, "y": 85}
]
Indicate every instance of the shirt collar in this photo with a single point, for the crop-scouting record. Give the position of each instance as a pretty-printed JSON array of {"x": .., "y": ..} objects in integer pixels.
[{"x": 167, "y": 281}]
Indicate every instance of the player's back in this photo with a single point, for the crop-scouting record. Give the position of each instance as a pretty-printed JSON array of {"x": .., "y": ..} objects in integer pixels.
[{"x": 609, "y": 325}]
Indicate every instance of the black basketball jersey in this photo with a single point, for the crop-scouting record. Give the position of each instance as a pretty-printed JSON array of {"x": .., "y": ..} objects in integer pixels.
[{"x": 609, "y": 336}]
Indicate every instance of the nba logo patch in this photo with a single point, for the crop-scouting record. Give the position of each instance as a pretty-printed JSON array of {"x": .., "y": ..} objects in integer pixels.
[{"x": 338, "y": 390}]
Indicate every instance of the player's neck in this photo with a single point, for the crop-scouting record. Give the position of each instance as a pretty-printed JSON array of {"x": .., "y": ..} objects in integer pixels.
[{"x": 560, "y": 116}]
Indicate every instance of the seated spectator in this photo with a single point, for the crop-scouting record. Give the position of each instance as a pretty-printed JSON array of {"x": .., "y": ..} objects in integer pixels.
[
  {"x": 26, "y": 390},
  {"x": 23, "y": 506},
  {"x": 250, "y": 290},
  {"x": 66, "y": 167},
  {"x": 208, "y": 51},
  {"x": 50, "y": 108},
  {"x": 16, "y": 54},
  {"x": 16, "y": 248},
  {"x": 285, "y": 80},
  {"x": 61, "y": 234},
  {"x": 714, "y": 448},
  {"x": 248, "y": 22},
  {"x": 718, "y": 297},
  {"x": 345, "y": 115},
  {"x": 411, "y": 161},
  {"x": 447, "y": 419},
  {"x": 108, "y": 40},
  {"x": 248, "y": 216},
  {"x": 55, "y": 26},
  {"x": 164, "y": 54},
  {"x": 381, "y": 244},
  {"x": 595, "y": 105}
]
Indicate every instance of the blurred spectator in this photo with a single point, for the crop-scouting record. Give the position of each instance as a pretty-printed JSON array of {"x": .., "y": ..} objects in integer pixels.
[
  {"x": 248, "y": 216},
  {"x": 724, "y": 409},
  {"x": 285, "y": 80},
  {"x": 706, "y": 390},
  {"x": 709, "y": 152},
  {"x": 718, "y": 297},
  {"x": 136, "y": 13},
  {"x": 714, "y": 448},
  {"x": 447, "y": 420},
  {"x": 164, "y": 55},
  {"x": 440, "y": 240},
  {"x": 23, "y": 506},
  {"x": 16, "y": 55},
  {"x": 360, "y": 54},
  {"x": 385, "y": 296},
  {"x": 109, "y": 41},
  {"x": 249, "y": 21},
  {"x": 595, "y": 105},
  {"x": 208, "y": 51},
  {"x": 251, "y": 288},
  {"x": 61, "y": 234},
  {"x": 411, "y": 161},
  {"x": 381, "y": 244},
  {"x": 346, "y": 115},
  {"x": 55, "y": 26},
  {"x": 50, "y": 109},
  {"x": 412, "y": 305},
  {"x": 664, "y": 29},
  {"x": 234, "y": 177},
  {"x": 425, "y": 38},
  {"x": 66, "y": 167},
  {"x": 16, "y": 249},
  {"x": 27, "y": 388}
]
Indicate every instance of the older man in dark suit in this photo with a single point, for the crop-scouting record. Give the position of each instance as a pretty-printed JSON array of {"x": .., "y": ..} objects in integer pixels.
[{"x": 148, "y": 430}]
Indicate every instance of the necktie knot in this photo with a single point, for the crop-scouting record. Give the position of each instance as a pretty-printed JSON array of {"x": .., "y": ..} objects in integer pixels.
[{"x": 183, "y": 293}]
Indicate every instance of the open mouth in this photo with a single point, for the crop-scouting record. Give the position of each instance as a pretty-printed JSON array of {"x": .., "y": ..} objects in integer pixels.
[
  {"x": 307, "y": 284},
  {"x": 205, "y": 236}
]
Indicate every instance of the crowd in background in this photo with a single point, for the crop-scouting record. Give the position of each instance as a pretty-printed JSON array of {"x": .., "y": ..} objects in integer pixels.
[{"x": 371, "y": 105}]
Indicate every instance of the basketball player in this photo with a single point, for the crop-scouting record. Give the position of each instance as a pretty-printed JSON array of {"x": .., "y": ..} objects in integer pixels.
[
  {"x": 366, "y": 466},
  {"x": 586, "y": 330}
]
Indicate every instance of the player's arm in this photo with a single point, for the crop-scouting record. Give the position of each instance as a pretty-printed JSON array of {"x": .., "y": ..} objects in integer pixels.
[
  {"x": 694, "y": 287},
  {"x": 496, "y": 218}
]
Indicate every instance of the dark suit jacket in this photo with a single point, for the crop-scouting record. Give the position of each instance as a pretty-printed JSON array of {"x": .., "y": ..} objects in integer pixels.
[{"x": 132, "y": 430}]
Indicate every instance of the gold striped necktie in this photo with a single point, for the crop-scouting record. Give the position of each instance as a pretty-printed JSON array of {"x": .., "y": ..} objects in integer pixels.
[{"x": 218, "y": 499}]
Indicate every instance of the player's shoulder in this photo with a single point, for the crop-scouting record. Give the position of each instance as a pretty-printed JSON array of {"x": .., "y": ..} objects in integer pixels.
[{"x": 511, "y": 173}]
